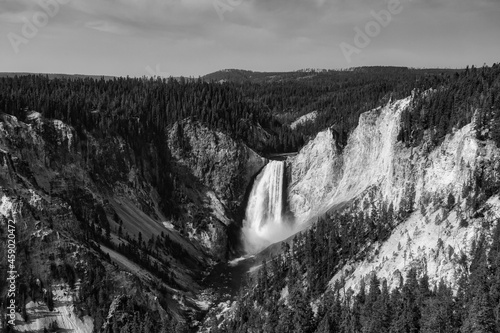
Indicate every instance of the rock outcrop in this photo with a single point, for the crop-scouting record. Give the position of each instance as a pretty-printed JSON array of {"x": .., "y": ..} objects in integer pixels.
[
  {"x": 375, "y": 167},
  {"x": 322, "y": 177},
  {"x": 313, "y": 175},
  {"x": 222, "y": 164}
]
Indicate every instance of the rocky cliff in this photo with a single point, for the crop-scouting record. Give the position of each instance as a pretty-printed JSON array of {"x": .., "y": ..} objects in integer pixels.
[
  {"x": 376, "y": 170},
  {"x": 220, "y": 163},
  {"x": 322, "y": 177},
  {"x": 313, "y": 175},
  {"x": 86, "y": 203},
  {"x": 216, "y": 172}
]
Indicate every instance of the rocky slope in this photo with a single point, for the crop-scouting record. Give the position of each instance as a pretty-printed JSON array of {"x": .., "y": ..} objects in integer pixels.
[
  {"x": 376, "y": 170},
  {"x": 307, "y": 118},
  {"x": 313, "y": 175},
  {"x": 83, "y": 201},
  {"x": 217, "y": 161},
  {"x": 216, "y": 172}
]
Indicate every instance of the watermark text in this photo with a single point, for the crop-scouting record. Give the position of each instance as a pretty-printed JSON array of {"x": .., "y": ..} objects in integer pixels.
[
  {"x": 11, "y": 272},
  {"x": 372, "y": 29},
  {"x": 31, "y": 26}
]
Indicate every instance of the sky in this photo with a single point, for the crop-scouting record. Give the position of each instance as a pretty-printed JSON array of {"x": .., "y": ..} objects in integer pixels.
[{"x": 197, "y": 37}]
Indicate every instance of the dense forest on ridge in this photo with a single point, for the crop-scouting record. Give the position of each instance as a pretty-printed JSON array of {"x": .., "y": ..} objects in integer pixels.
[{"x": 257, "y": 109}]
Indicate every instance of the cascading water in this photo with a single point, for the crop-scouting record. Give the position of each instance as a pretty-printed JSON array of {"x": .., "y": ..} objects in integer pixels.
[{"x": 264, "y": 221}]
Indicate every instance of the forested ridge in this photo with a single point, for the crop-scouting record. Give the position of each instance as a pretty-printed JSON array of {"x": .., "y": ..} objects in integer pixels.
[
  {"x": 258, "y": 112},
  {"x": 141, "y": 108},
  {"x": 452, "y": 103}
]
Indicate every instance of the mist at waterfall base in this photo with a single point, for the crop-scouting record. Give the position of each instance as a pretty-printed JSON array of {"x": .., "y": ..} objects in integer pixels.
[{"x": 265, "y": 222}]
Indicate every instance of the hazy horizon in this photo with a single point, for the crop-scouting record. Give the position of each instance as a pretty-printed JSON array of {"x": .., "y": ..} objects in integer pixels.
[{"x": 242, "y": 69}]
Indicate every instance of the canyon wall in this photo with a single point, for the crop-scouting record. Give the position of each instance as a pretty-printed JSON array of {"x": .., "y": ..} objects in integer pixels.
[{"x": 375, "y": 168}]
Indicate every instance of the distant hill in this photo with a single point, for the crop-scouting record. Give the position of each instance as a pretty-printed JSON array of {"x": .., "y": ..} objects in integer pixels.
[
  {"x": 240, "y": 75},
  {"x": 58, "y": 76}
]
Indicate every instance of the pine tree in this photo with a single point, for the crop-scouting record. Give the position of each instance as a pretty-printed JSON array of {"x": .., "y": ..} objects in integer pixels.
[
  {"x": 437, "y": 313},
  {"x": 50, "y": 299},
  {"x": 302, "y": 320},
  {"x": 370, "y": 322},
  {"x": 479, "y": 317},
  {"x": 285, "y": 321}
]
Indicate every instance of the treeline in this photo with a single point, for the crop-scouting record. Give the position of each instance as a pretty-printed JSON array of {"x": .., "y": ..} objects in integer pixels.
[
  {"x": 140, "y": 109},
  {"x": 339, "y": 97},
  {"x": 453, "y": 103}
]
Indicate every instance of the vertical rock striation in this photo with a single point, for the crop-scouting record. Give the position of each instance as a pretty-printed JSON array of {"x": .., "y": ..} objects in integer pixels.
[{"x": 375, "y": 167}]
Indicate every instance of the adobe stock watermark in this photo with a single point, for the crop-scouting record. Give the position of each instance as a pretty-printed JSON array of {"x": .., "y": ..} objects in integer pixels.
[
  {"x": 222, "y": 6},
  {"x": 372, "y": 29},
  {"x": 11, "y": 272},
  {"x": 40, "y": 19}
]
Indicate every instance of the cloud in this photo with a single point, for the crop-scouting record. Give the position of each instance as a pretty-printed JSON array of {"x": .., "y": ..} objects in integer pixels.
[
  {"x": 105, "y": 27},
  {"x": 174, "y": 19},
  {"x": 187, "y": 36}
]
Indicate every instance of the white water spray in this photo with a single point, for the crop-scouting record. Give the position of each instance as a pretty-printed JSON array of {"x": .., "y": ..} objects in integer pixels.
[{"x": 264, "y": 221}]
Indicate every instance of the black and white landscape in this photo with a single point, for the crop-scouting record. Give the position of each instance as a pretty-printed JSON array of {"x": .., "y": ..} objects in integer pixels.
[{"x": 139, "y": 194}]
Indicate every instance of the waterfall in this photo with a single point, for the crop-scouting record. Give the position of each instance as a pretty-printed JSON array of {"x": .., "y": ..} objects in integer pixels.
[{"x": 264, "y": 221}]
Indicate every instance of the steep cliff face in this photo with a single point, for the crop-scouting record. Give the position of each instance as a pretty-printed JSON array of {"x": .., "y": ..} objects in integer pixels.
[
  {"x": 436, "y": 236},
  {"x": 322, "y": 178},
  {"x": 313, "y": 175},
  {"x": 376, "y": 168},
  {"x": 223, "y": 165}
]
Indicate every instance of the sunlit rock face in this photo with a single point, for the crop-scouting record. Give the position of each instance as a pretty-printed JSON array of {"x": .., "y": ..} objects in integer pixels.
[
  {"x": 375, "y": 168},
  {"x": 435, "y": 237},
  {"x": 321, "y": 176},
  {"x": 313, "y": 175}
]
